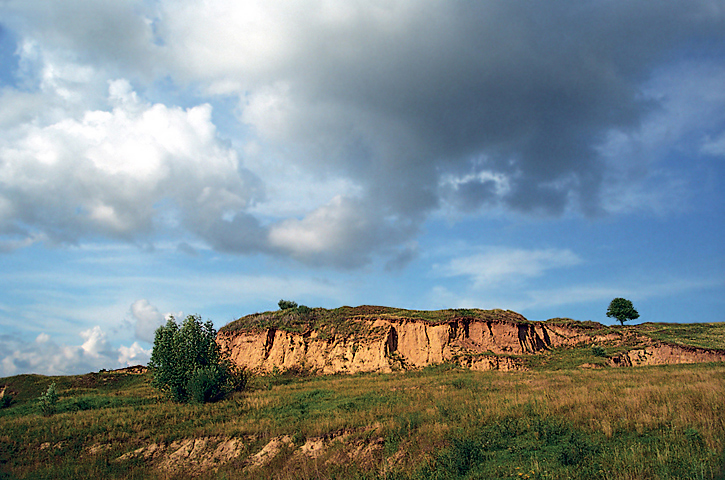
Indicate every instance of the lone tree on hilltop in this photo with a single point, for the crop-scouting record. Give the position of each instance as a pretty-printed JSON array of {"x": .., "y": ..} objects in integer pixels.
[{"x": 622, "y": 309}]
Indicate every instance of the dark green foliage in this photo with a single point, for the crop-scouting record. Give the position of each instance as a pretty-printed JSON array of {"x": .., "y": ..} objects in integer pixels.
[
  {"x": 598, "y": 351},
  {"x": 303, "y": 309},
  {"x": 287, "y": 305},
  {"x": 622, "y": 309},
  {"x": 188, "y": 363},
  {"x": 5, "y": 400},
  {"x": 206, "y": 383},
  {"x": 49, "y": 400}
]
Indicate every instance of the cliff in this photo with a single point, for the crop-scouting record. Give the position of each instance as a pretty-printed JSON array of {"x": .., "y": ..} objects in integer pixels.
[{"x": 381, "y": 339}]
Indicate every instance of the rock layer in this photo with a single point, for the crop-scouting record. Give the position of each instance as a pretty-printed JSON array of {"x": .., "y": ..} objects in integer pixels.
[
  {"x": 663, "y": 354},
  {"x": 381, "y": 339},
  {"x": 394, "y": 344}
]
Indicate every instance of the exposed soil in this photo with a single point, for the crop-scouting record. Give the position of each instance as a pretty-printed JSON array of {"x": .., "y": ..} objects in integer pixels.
[
  {"x": 480, "y": 340},
  {"x": 194, "y": 456}
]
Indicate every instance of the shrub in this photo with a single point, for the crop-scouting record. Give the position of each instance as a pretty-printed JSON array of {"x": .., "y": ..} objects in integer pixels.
[
  {"x": 287, "y": 305},
  {"x": 206, "y": 383},
  {"x": 188, "y": 364},
  {"x": 292, "y": 306},
  {"x": 5, "y": 400},
  {"x": 49, "y": 400}
]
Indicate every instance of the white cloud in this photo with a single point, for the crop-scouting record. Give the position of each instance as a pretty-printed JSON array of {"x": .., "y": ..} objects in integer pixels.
[
  {"x": 120, "y": 173},
  {"x": 149, "y": 319},
  {"x": 47, "y": 357},
  {"x": 133, "y": 355},
  {"x": 501, "y": 265},
  {"x": 42, "y": 338},
  {"x": 538, "y": 298},
  {"x": 96, "y": 343},
  {"x": 331, "y": 230}
]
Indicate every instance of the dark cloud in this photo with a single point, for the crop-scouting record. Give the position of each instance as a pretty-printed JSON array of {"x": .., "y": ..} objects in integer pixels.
[
  {"x": 533, "y": 88},
  {"x": 420, "y": 105}
]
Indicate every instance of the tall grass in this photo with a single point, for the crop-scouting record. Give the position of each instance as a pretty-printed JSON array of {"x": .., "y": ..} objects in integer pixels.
[{"x": 440, "y": 422}]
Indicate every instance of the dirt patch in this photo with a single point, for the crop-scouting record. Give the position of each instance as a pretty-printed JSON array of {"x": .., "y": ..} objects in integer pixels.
[
  {"x": 664, "y": 354},
  {"x": 191, "y": 455},
  {"x": 270, "y": 451},
  {"x": 194, "y": 456}
]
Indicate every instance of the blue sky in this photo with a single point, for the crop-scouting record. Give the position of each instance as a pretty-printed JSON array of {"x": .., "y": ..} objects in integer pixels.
[{"x": 168, "y": 158}]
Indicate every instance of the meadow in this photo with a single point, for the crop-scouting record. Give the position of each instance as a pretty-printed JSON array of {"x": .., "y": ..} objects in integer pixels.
[{"x": 443, "y": 422}]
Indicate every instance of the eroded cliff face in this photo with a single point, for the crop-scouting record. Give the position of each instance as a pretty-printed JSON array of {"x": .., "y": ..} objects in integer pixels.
[{"x": 385, "y": 345}]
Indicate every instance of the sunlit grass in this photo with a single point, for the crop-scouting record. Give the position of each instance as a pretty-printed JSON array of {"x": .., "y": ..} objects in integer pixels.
[
  {"x": 435, "y": 423},
  {"x": 701, "y": 335}
]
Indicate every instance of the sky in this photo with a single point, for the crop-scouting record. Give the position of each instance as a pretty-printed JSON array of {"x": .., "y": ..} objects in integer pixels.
[{"x": 212, "y": 157}]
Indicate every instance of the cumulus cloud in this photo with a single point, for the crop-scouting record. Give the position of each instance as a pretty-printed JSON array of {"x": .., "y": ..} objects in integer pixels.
[
  {"x": 124, "y": 173},
  {"x": 419, "y": 107},
  {"x": 329, "y": 234},
  {"x": 147, "y": 318},
  {"x": 47, "y": 357},
  {"x": 133, "y": 355}
]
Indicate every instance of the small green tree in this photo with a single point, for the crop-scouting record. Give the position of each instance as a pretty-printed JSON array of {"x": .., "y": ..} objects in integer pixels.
[
  {"x": 287, "y": 304},
  {"x": 622, "y": 309},
  {"x": 48, "y": 400},
  {"x": 188, "y": 364}
]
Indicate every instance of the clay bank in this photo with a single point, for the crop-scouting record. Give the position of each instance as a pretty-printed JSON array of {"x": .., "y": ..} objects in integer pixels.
[{"x": 382, "y": 339}]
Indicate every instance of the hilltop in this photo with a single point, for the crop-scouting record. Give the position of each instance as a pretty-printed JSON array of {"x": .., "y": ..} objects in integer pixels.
[{"x": 385, "y": 339}]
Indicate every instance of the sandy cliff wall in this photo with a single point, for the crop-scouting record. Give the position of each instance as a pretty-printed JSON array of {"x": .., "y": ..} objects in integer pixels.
[{"x": 387, "y": 345}]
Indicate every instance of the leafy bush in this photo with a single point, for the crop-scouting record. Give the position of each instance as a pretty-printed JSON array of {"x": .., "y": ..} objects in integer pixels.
[
  {"x": 5, "y": 400},
  {"x": 208, "y": 383},
  {"x": 49, "y": 400},
  {"x": 292, "y": 306},
  {"x": 188, "y": 363},
  {"x": 287, "y": 305}
]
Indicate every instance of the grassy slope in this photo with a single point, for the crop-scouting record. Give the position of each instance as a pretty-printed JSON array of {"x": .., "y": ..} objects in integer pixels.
[
  {"x": 700, "y": 335},
  {"x": 441, "y": 422},
  {"x": 555, "y": 421}
]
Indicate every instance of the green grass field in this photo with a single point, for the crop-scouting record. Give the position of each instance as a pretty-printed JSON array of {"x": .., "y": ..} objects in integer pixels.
[{"x": 442, "y": 422}]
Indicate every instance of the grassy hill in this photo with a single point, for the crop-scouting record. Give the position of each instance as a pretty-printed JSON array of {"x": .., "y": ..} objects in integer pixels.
[{"x": 443, "y": 422}]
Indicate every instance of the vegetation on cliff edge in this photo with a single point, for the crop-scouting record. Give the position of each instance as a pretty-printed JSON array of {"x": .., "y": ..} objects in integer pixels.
[{"x": 342, "y": 319}]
